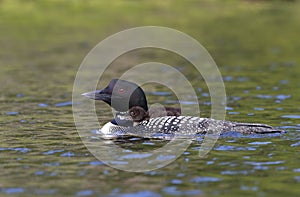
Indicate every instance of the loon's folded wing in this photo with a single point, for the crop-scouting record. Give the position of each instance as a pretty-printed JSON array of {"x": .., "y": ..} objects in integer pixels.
[{"x": 186, "y": 126}]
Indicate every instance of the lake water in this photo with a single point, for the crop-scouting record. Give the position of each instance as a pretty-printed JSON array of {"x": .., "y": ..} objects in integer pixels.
[{"x": 43, "y": 155}]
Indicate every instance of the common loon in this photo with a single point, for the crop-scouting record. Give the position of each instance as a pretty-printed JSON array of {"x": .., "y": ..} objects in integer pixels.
[{"x": 133, "y": 117}]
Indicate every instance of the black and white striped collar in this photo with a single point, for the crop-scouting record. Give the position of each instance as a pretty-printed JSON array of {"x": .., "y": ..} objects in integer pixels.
[{"x": 123, "y": 119}]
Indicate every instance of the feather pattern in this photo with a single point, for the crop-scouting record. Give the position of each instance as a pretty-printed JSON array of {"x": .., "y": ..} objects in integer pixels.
[{"x": 187, "y": 126}]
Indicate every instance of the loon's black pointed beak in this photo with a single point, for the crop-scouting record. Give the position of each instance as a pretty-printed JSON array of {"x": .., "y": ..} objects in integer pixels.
[{"x": 98, "y": 95}]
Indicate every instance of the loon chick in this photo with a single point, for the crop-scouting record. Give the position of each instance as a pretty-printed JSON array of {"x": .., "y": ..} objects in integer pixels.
[
  {"x": 138, "y": 114},
  {"x": 134, "y": 118}
]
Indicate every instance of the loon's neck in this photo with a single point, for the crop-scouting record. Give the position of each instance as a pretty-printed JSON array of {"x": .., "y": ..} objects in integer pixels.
[{"x": 122, "y": 119}]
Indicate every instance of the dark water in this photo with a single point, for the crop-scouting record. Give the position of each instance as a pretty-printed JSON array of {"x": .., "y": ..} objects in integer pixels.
[{"x": 43, "y": 155}]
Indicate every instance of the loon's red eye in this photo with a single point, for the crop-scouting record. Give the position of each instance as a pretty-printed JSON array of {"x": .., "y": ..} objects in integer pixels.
[{"x": 121, "y": 90}]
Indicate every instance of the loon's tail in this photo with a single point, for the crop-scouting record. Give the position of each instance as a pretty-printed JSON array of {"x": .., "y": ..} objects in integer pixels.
[{"x": 251, "y": 128}]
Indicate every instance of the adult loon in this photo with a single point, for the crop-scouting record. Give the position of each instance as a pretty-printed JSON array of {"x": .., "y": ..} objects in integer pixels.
[{"x": 133, "y": 117}]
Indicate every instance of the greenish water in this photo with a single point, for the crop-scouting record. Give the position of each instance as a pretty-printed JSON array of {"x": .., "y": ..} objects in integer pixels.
[{"x": 255, "y": 45}]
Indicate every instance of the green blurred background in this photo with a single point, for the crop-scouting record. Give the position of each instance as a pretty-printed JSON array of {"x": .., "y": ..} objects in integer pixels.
[{"x": 40, "y": 38}]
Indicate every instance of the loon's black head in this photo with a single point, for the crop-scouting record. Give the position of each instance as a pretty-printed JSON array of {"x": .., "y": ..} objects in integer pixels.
[{"x": 120, "y": 95}]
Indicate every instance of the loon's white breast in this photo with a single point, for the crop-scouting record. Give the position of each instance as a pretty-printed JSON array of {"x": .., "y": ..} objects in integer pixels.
[{"x": 108, "y": 128}]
